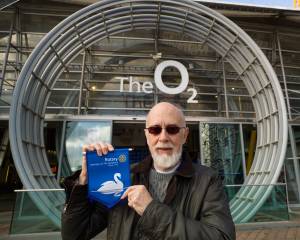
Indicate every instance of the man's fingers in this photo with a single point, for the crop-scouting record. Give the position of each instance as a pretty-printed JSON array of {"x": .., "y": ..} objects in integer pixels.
[
  {"x": 85, "y": 148},
  {"x": 101, "y": 148},
  {"x": 98, "y": 149},
  {"x": 110, "y": 147},
  {"x": 83, "y": 174},
  {"x": 130, "y": 204},
  {"x": 125, "y": 194},
  {"x": 84, "y": 168},
  {"x": 138, "y": 198},
  {"x": 104, "y": 148},
  {"x": 91, "y": 147}
]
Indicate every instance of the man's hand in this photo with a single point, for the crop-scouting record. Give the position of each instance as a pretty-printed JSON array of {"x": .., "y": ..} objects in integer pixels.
[
  {"x": 138, "y": 198},
  {"x": 101, "y": 148}
]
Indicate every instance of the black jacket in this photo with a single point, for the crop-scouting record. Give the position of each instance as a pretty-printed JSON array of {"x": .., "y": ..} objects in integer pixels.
[{"x": 195, "y": 207}]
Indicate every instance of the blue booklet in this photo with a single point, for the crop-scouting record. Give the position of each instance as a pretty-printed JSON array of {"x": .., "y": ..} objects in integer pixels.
[{"x": 108, "y": 176}]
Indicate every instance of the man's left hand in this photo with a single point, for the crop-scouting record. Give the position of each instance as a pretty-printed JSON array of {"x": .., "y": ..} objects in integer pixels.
[{"x": 138, "y": 198}]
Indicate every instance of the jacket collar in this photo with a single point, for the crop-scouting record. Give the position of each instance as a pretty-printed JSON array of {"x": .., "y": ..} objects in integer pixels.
[{"x": 185, "y": 168}]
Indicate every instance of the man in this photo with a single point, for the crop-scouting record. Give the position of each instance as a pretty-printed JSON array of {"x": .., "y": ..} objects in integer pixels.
[{"x": 170, "y": 197}]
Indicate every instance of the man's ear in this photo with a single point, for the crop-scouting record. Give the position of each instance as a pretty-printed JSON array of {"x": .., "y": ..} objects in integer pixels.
[
  {"x": 186, "y": 133},
  {"x": 146, "y": 134},
  {"x": 145, "y": 131}
]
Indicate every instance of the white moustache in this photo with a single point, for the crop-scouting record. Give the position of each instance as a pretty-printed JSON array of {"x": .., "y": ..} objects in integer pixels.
[{"x": 164, "y": 145}]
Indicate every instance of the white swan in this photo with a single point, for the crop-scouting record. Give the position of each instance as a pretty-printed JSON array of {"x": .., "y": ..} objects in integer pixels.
[{"x": 112, "y": 187}]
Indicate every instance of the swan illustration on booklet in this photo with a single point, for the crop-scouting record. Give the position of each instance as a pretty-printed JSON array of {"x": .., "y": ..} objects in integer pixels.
[{"x": 108, "y": 176}]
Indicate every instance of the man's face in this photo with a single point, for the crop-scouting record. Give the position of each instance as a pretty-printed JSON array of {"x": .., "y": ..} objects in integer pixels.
[{"x": 165, "y": 144}]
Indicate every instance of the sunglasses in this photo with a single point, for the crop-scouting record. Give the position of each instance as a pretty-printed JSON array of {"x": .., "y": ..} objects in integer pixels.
[{"x": 170, "y": 129}]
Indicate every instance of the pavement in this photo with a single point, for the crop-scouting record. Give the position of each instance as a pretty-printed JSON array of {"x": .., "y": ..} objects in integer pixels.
[
  {"x": 261, "y": 234},
  {"x": 292, "y": 233},
  {"x": 263, "y": 231},
  {"x": 285, "y": 230}
]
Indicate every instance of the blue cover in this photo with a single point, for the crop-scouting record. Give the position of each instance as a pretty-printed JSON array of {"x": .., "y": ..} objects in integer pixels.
[{"x": 108, "y": 176}]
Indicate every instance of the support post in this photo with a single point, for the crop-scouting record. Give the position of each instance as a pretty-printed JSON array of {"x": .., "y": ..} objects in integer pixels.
[{"x": 81, "y": 83}]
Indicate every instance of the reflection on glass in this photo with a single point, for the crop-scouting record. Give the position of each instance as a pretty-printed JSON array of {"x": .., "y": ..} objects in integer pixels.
[
  {"x": 292, "y": 165},
  {"x": 80, "y": 133},
  {"x": 249, "y": 136},
  {"x": 274, "y": 208},
  {"x": 28, "y": 218},
  {"x": 221, "y": 147}
]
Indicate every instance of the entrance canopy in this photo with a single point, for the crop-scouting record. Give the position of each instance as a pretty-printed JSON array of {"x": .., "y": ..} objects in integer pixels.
[{"x": 109, "y": 18}]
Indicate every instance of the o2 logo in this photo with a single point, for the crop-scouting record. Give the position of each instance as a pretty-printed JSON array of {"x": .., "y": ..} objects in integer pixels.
[{"x": 147, "y": 87}]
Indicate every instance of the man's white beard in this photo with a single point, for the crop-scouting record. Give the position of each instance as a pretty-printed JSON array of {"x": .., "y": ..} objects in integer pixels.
[{"x": 166, "y": 162}]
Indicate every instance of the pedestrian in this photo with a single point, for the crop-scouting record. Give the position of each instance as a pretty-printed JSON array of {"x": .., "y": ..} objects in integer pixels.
[{"x": 170, "y": 197}]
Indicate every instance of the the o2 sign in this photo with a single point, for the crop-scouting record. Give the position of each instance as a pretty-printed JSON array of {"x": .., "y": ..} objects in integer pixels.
[
  {"x": 147, "y": 87},
  {"x": 183, "y": 72}
]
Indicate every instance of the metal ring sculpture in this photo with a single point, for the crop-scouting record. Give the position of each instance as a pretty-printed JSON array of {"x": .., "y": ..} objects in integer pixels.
[{"x": 110, "y": 17}]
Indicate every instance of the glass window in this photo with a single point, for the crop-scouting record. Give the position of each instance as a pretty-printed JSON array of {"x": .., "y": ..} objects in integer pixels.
[
  {"x": 86, "y": 132},
  {"x": 221, "y": 147},
  {"x": 292, "y": 165},
  {"x": 274, "y": 208},
  {"x": 28, "y": 218},
  {"x": 249, "y": 136}
]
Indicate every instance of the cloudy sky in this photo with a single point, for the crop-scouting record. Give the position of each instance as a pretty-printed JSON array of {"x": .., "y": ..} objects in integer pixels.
[{"x": 270, "y": 3}]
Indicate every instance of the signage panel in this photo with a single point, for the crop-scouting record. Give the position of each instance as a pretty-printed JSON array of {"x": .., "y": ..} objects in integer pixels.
[{"x": 108, "y": 176}]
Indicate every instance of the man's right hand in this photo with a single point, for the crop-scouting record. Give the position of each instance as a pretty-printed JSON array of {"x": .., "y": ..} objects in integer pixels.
[{"x": 101, "y": 148}]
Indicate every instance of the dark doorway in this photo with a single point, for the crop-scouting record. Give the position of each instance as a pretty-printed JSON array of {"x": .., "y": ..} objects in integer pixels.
[{"x": 131, "y": 135}]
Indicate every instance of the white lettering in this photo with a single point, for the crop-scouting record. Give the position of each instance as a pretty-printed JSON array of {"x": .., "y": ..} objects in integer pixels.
[
  {"x": 183, "y": 72},
  {"x": 148, "y": 85},
  {"x": 122, "y": 79},
  {"x": 136, "y": 83},
  {"x": 194, "y": 94},
  {"x": 110, "y": 159}
]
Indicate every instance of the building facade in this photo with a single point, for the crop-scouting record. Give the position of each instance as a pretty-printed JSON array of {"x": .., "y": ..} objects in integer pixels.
[{"x": 234, "y": 69}]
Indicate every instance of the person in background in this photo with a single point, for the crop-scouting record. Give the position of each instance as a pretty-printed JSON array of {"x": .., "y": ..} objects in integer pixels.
[{"x": 170, "y": 198}]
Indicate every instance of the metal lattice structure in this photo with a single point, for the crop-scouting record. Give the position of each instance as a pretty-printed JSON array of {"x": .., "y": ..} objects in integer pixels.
[{"x": 109, "y": 18}]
